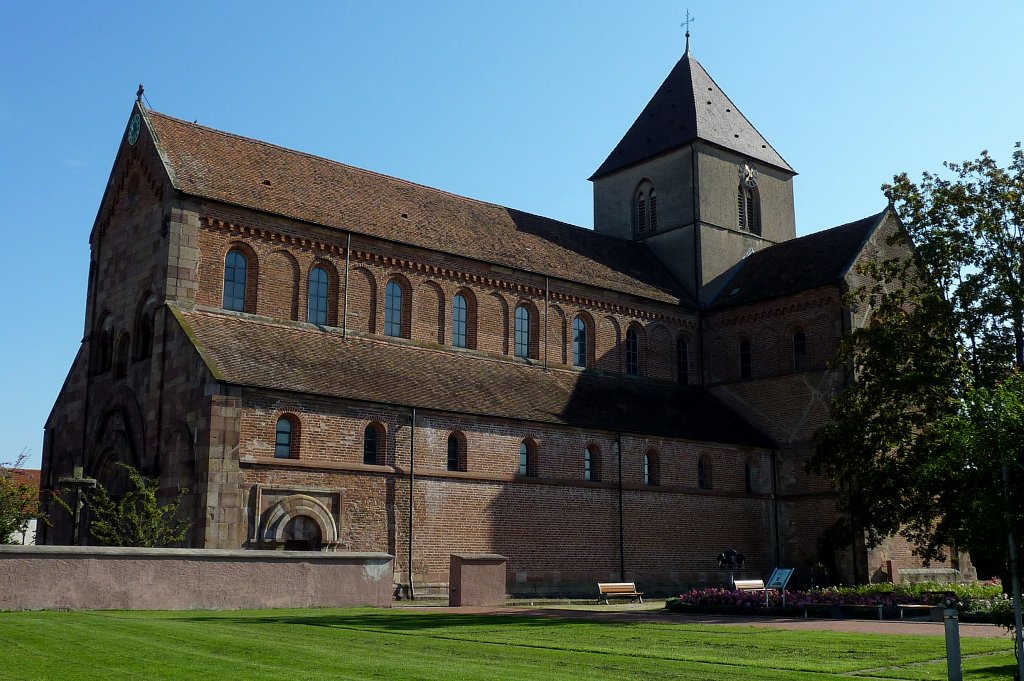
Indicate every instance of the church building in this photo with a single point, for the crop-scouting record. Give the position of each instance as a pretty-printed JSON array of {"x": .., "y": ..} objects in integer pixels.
[{"x": 328, "y": 358}]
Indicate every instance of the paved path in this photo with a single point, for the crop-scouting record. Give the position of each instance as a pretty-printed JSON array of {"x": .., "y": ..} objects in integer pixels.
[{"x": 662, "y": 616}]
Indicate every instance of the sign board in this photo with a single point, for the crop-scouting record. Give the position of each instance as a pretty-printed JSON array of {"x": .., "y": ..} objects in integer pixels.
[{"x": 779, "y": 579}]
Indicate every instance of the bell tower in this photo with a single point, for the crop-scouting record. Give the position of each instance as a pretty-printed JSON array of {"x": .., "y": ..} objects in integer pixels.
[{"x": 695, "y": 181}]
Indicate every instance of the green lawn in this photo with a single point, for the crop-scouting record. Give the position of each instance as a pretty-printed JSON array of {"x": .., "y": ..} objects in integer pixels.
[{"x": 402, "y": 644}]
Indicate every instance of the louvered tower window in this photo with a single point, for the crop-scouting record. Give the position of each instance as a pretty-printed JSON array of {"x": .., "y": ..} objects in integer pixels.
[
  {"x": 748, "y": 205},
  {"x": 653, "y": 207},
  {"x": 645, "y": 206}
]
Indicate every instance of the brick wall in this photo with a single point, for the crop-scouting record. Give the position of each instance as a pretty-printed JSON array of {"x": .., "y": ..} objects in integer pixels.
[{"x": 557, "y": 529}]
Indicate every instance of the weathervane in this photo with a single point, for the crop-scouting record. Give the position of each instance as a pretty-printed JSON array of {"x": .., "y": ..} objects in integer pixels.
[{"x": 686, "y": 25}]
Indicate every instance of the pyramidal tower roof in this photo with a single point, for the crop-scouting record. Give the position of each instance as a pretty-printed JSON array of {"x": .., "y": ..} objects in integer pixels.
[{"x": 689, "y": 106}]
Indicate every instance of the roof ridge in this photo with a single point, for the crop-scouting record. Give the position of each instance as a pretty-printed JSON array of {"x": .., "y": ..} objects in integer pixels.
[{"x": 376, "y": 173}]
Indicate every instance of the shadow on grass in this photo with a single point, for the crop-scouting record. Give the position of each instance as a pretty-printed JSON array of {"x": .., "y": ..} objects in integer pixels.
[
  {"x": 395, "y": 620},
  {"x": 996, "y": 671}
]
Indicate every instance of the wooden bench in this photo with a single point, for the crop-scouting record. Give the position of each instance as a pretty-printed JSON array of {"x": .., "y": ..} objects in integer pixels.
[
  {"x": 756, "y": 585},
  {"x": 749, "y": 584},
  {"x": 937, "y": 603},
  {"x": 609, "y": 589}
]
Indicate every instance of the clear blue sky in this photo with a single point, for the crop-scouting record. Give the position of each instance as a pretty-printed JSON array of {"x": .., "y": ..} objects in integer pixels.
[{"x": 513, "y": 103}]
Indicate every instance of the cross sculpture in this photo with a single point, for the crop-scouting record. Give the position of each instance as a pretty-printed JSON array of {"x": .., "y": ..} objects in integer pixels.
[{"x": 77, "y": 482}]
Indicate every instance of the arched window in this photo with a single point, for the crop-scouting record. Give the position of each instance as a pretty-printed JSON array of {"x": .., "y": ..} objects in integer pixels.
[
  {"x": 744, "y": 358},
  {"x": 285, "y": 438},
  {"x": 591, "y": 465},
  {"x": 651, "y": 468},
  {"x": 393, "y": 306},
  {"x": 703, "y": 473},
  {"x": 682, "y": 361},
  {"x": 144, "y": 330},
  {"x": 319, "y": 294},
  {"x": 527, "y": 458},
  {"x": 799, "y": 350},
  {"x": 143, "y": 336},
  {"x": 645, "y": 209},
  {"x": 523, "y": 332},
  {"x": 103, "y": 346},
  {"x": 632, "y": 352},
  {"x": 460, "y": 319},
  {"x": 371, "y": 445},
  {"x": 748, "y": 205},
  {"x": 236, "y": 270},
  {"x": 456, "y": 451},
  {"x": 579, "y": 342},
  {"x": 124, "y": 345}
]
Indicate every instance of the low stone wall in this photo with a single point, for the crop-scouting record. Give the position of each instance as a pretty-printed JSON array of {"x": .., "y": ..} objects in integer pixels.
[
  {"x": 476, "y": 579},
  {"x": 113, "y": 578}
]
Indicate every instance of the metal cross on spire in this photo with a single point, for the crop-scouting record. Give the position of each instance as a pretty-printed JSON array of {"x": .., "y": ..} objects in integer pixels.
[{"x": 686, "y": 25}]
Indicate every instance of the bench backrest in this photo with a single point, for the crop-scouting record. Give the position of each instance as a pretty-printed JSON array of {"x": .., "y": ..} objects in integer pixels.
[
  {"x": 749, "y": 584},
  {"x": 616, "y": 587}
]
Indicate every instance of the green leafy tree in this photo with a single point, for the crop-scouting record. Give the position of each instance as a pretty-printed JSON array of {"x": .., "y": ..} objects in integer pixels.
[
  {"x": 19, "y": 502},
  {"x": 926, "y": 439},
  {"x": 136, "y": 518}
]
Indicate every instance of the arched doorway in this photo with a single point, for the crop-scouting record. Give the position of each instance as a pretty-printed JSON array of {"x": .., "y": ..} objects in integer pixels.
[{"x": 299, "y": 522}]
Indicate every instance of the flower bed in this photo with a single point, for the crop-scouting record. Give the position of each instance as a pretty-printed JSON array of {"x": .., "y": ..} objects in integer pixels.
[{"x": 976, "y": 603}]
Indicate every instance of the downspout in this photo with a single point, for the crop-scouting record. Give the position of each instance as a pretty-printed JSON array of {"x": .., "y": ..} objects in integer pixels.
[
  {"x": 622, "y": 538},
  {"x": 547, "y": 294},
  {"x": 776, "y": 530},
  {"x": 344, "y": 307},
  {"x": 412, "y": 478}
]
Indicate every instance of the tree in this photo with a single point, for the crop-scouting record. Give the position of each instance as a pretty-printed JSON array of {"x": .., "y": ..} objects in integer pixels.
[
  {"x": 19, "y": 502},
  {"x": 135, "y": 518},
  {"x": 926, "y": 439}
]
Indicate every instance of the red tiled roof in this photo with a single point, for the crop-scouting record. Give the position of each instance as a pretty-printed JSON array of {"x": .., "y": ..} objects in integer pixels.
[
  {"x": 262, "y": 353},
  {"x": 22, "y": 476},
  {"x": 223, "y": 167}
]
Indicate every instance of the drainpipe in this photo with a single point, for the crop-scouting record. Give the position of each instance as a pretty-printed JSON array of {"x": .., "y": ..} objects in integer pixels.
[
  {"x": 344, "y": 309},
  {"x": 622, "y": 538},
  {"x": 547, "y": 294},
  {"x": 775, "y": 509},
  {"x": 412, "y": 465}
]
